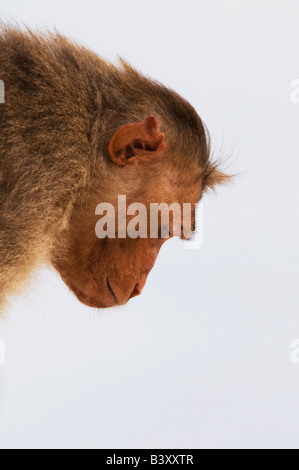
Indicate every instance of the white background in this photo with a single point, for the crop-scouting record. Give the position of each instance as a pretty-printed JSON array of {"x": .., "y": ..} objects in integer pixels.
[{"x": 202, "y": 358}]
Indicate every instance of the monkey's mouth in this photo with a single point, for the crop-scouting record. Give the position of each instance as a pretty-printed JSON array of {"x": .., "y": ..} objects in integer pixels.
[
  {"x": 85, "y": 299},
  {"x": 92, "y": 301},
  {"x": 112, "y": 291}
]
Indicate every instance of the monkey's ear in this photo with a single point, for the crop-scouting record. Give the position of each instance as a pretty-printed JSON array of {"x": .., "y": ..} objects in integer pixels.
[{"x": 135, "y": 143}]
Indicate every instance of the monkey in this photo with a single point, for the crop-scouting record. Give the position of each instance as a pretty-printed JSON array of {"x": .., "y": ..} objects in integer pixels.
[{"x": 75, "y": 131}]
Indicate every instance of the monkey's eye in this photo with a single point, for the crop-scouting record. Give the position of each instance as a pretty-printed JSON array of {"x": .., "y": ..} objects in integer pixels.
[
  {"x": 164, "y": 232},
  {"x": 188, "y": 235}
]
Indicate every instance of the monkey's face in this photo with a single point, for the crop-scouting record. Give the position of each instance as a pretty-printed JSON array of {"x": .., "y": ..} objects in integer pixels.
[
  {"x": 110, "y": 271},
  {"x": 104, "y": 272}
]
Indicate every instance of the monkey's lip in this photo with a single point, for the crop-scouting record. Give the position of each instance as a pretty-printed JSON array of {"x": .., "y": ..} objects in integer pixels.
[
  {"x": 85, "y": 299},
  {"x": 112, "y": 291}
]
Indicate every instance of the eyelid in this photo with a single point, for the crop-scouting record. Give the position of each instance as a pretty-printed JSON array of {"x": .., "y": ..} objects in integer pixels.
[
  {"x": 182, "y": 236},
  {"x": 187, "y": 238},
  {"x": 160, "y": 230}
]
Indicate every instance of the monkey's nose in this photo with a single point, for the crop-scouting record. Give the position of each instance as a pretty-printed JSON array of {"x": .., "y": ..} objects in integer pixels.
[
  {"x": 136, "y": 291},
  {"x": 138, "y": 287}
]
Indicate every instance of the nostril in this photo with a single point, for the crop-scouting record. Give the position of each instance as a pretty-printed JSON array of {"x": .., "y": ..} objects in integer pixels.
[{"x": 136, "y": 291}]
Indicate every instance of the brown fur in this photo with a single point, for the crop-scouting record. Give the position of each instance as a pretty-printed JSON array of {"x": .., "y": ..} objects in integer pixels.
[{"x": 63, "y": 106}]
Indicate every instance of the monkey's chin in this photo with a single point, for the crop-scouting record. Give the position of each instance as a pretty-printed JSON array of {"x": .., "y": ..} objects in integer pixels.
[{"x": 86, "y": 299}]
